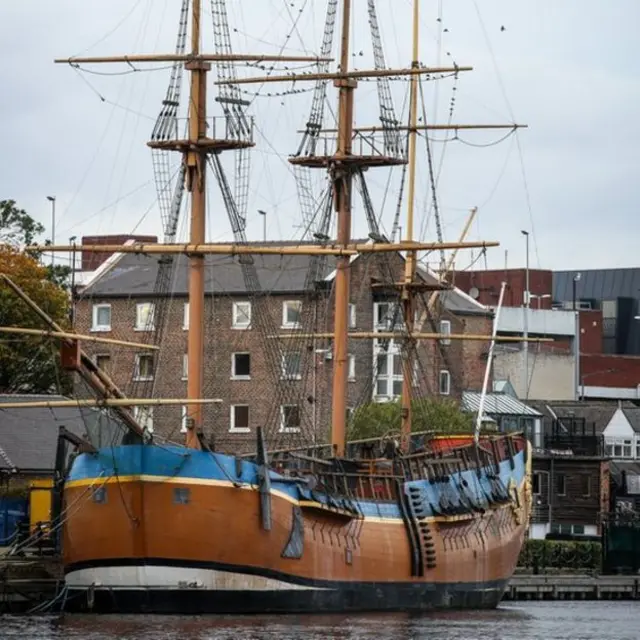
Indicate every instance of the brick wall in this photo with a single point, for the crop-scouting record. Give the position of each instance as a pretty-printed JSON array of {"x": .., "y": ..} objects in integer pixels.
[
  {"x": 265, "y": 392},
  {"x": 603, "y": 370},
  {"x": 488, "y": 284}
]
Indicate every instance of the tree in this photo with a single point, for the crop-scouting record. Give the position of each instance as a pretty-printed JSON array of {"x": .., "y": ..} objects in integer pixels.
[
  {"x": 381, "y": 418},
  {"x": 17, "y": 227},
  {"x": 30, "y": 364}
]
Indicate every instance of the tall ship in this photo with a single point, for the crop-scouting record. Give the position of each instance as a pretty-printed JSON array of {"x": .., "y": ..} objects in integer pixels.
[{"x": 290, "y": 518}]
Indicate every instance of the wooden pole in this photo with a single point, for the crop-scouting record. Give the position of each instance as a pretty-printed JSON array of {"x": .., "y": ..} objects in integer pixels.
[
  {"x": 342, "y": 179},
  {"x": 105, "y": 402},
  {"x": 335, "y": 249},
  {"x": 189, "y": 57},
  {"x": 410, "y": 262},
  {"x": 76, "y": 336},
  {"x": 429, "y": 127},
  {"x": 196, "y": 163},
  {"x": 350, "y": 75}
]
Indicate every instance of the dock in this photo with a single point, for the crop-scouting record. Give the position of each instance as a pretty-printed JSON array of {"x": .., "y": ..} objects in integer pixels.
[
  {"x": 28, "y": 582},
  {"x": 573, "y": 587}
]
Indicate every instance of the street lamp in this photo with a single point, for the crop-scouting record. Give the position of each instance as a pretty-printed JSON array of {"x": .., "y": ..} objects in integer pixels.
[
  {"x": 72, "y": 262},
  {"x": 527, "y": 302},
  {"x": 264, "y": 224},
  {"x": 576, "y": 279},
  {"x": 540, "y": 297},
  {"x": 52, "y": 200}
]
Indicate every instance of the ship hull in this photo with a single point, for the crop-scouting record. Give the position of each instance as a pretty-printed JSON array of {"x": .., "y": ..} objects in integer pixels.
[{"x": 173, "y": 531}]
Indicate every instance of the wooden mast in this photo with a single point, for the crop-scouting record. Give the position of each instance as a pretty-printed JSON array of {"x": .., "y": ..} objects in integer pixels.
[
  {"x": 196, "y": 164},
  {"x": 410, "y": 263},
  {"x": 341, "y": 176}
]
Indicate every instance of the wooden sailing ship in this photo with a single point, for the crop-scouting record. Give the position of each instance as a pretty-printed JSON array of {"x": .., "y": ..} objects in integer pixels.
[{"x": 157, "y": 527}]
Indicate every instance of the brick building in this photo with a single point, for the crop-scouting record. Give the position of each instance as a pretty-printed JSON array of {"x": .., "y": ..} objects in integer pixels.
[{"x": 281, "y": 384}]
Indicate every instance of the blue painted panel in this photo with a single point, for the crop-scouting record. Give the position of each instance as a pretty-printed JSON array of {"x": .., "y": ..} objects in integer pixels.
[{"x": 12, "y": 511}]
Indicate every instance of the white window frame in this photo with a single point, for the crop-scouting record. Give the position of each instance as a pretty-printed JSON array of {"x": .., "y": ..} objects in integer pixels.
[
  {"x": 239, "y": 320},
  {"x": 94, "y": 317},
  {"x": 284, "y": 429},
  {"x": 285, "y": 306},
  {"x": 389, "y": 377},
  {"x": 446, "y": 389},
  {"x": 185, "y": 366},
  {"x": 144, "y": 423},
  {"x": 185, "y": 317},
  {"x": 620, "y": 442},
  {"x": 445, "y": 327},
  {"x": 234, "y": 375},
  {"x": 416, "y": 371},
  {"x": 184, "y": 412},
  {"x": 232, "y": 419},
  {"x": 352, "y": 315},
  {"x": 284, "y": 375},
  {"x": 151, "y": 321},
  {"x": 387, "y": 325},
  {"x": 351, "y": 367},
  {"x": 136, "y": 373}
]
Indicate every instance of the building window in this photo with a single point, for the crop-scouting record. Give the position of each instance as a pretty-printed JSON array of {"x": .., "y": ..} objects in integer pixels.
[
  {"x": 101, "y": 317},
  {"x": 291, "y": 369},
  {"x": 561, "y": 484},
  {"x": 388, "y": 374},
  {"x": 585, "y": 483},
  {"x": 145, "y": 316},
  {"x": 185, "y": 317},
  {"x": 292, "y": 314},
  {"x": 185, "y": 366},
  {"x": 144, "y": 416},
  {"x": 619, "y": 447},
  {"x": 445, "y": 383},
  {"x": 416, "y": 371},
  {"x": 445, "y": 328},
  {"x": 181, "y": 495},
  {"x": 241, "y": 366},
  {"x": 183, "y": 419},
  {"x": 289, "y": 418},
  {"x": 387, "y": 316},
  {"x": 352, "y": 316},
  {"x": 352, "y": 367},
  {"x": 537, "y": 484},
  {"x": 239, "y": 421},
  {"x": 241, "y": 315},
  {"x": 103, "y": 362},
  {"x": 144, "y": 367}
]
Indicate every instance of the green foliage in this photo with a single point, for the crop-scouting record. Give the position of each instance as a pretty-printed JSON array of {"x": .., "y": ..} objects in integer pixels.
[
  {"x": 560, "y": 554},
  {"x": 429, "y": 414},
  {"x": 17, "y": 227},
  {"x": 30, "y": 364}
]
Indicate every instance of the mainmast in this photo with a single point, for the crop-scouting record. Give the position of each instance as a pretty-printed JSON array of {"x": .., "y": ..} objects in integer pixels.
[
  {"x": 195, "y": 159},
  {"x": 410, "y": 262},
  {"x": 342, "y": 178}
]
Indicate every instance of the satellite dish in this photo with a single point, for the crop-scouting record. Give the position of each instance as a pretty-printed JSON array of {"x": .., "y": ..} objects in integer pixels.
[{"x": 474, "y": 292}]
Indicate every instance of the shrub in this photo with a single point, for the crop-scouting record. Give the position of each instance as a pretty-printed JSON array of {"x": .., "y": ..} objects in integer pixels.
[{"x": 560, "y": 554}]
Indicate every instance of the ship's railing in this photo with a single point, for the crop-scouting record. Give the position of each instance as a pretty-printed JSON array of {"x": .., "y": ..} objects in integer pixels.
[
  {"x": 380, "y": 143},
  {"x": 231, "y": 128}
]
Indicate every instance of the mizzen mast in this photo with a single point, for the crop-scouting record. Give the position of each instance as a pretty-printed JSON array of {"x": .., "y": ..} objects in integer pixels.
[{"x": 411, "y": 257}]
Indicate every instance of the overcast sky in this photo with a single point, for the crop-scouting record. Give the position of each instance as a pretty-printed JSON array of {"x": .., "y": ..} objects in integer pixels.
[{"x": 567, "y": 68}]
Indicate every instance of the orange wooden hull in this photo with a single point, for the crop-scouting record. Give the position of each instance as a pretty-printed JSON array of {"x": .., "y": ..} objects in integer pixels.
[{"x": 137, "y": 545}]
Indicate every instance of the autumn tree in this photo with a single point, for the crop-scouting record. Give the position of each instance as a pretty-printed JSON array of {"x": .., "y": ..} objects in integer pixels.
[{"x": 30, "y": 364}]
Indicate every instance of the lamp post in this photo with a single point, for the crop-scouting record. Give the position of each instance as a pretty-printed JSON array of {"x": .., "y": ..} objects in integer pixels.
[
  {"x": 527, "y": 299},
  {"x": 52, "y": 200},
  {"x": 264, "y": 224},
  {"x": 72, "y": 262},
  {"x": 540, "y": 297},
  {"x": 576, "y": 279}
]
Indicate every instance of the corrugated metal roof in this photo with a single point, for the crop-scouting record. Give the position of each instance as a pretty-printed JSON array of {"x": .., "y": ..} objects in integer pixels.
[
  {"x": 497, "y": 404},
  {"x": 599, "y": 284}
]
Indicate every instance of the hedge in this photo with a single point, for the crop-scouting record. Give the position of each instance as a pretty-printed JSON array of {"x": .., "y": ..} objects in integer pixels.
[{"x": 556, "y": 554}]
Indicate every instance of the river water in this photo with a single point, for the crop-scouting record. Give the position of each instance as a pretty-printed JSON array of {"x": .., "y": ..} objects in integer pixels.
[{"x": 513, "y": 621}]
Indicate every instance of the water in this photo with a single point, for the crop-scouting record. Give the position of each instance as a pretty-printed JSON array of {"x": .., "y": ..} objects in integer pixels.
[{"x": 514, "y": 621}]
